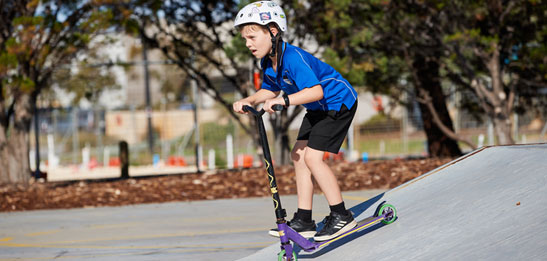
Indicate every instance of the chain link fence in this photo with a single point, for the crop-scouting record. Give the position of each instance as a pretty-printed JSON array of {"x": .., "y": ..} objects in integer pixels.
[
  {"x": 406, "y": 137},
  {"x": 79, "y": 143}
]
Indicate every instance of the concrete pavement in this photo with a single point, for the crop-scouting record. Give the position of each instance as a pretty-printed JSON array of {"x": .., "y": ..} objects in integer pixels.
[
  {"x": 488, "y": 205},
  {"x": 201, "y": 230}
]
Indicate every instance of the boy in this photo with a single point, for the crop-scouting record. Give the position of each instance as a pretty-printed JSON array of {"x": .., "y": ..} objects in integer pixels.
[{"x": 330, "y": 101}]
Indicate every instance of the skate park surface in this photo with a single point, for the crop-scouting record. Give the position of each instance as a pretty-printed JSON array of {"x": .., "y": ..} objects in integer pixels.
[
  {"x": 201, "y": 230},
  {"x": 490, "y": 204}
]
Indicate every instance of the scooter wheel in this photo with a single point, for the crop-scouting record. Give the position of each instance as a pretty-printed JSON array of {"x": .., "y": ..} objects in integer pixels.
[
  {"x": 283, "y": 257},
  {"x": 390, "y": 218}
]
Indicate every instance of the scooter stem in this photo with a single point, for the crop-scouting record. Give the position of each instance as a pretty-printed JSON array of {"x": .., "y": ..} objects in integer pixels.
[{"x": 280, "y": 213}]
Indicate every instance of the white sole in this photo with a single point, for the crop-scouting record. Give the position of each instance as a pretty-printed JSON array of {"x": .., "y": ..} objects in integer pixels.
[
  {"x": 306, "y": 234},
  {"x": 345, "y": 229}
]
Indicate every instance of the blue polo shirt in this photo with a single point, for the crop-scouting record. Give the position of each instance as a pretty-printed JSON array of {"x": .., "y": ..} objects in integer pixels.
[{"x": 299, "y": 70}]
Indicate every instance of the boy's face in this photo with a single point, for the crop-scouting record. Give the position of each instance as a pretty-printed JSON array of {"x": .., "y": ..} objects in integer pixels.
[{"x": 257, "y": 40}]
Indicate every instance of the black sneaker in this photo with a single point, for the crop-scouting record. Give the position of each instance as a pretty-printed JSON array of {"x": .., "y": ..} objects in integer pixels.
[
  {"x": 305, "y": 229},
  {"x": 335, "y": 225}
]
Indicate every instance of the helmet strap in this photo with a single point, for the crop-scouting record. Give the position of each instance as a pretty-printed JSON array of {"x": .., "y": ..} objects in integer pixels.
[
  {"x": 277, "y": 42},
  {"x": 274, "y": 41},
  {"x": 279, "y": 52}
]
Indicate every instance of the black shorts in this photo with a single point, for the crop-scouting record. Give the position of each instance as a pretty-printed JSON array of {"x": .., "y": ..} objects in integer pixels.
[{"x": 326, "y": 130}]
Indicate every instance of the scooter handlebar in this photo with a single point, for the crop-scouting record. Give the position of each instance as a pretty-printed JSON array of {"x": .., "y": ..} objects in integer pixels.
[
  {"x": 276, "y": 107},
  {"x": 247, "y": 108}
]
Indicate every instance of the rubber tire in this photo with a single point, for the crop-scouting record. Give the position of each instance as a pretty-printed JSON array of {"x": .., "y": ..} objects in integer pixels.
[
  {"x": 282, "y": 254},
  {"x": 381, "y": 210}
]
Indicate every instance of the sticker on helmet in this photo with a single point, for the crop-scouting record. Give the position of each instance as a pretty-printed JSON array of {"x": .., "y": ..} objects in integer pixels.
[
  {"x": 272, "y": 4},
  {"x": 255, "y": 10},
  {"x": 265, "y": 16}
]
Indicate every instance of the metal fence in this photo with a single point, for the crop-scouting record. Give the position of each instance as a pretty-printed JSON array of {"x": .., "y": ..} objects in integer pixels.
[
  {"x": 400, "y": 137},
  {"x": 82, "y": 143}
]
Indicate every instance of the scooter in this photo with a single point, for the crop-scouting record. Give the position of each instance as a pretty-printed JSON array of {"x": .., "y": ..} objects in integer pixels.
[{"x": 385, "y": 213}]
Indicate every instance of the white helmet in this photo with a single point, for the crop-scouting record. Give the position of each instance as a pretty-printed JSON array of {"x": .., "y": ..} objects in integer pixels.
[{"x": 263, "y": 12}]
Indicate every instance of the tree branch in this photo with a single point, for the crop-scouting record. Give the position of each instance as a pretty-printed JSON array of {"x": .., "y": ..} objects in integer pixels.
[
  {"x": 425, "y": 99},
  {"x": 479, "y": 89},
  {"x": 202, "y": 53},
  {"x": 508, "y": 8},
  {"x": 197, "y": 76}
]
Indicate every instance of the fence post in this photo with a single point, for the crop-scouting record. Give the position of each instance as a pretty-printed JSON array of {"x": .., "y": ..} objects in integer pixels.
[
  {"x": 211, "y": 159},
  {"x": 490, "y": 132},
  {"x": 75, "y": 135},
  {"x": 124, "y": 159},
  {"x": 351, "y": 142},
  {"x": 229, "y": 151}
]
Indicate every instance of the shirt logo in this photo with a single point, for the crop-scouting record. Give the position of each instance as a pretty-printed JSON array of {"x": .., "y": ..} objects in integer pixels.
[
  {"x": 287, "y": 80},
  {"x": 265, "y": 16}
]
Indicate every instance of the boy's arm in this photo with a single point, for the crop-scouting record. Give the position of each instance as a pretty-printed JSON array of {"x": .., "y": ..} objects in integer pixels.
[
  {"x": 304, "y": 96},
  {"x": 258, "y": 97},
  {"x": 261, "y": 95}
]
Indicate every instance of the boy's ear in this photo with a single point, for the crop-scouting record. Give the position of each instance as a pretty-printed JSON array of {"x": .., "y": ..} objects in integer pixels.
[{"x": 274, "y": 30}]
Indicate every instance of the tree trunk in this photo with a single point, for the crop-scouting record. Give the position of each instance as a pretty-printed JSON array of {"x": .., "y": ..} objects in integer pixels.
[
  {"x": 14, "y": 150},
  {"x": 280, "y": 123},
  {"x": 502, "y": 127},
  {"x": 282, "y": 148},
  {"x": 438, "y": 143},
  {"x": 501, "y": 101}
]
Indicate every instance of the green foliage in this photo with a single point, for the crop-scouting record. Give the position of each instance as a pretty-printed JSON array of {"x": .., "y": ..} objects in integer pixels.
[
  {"x": 220, "y": 162},
  {"x": 373, "y": 43},
  {"x": 7, "y": 60},
  {"x": 381, "y": 123},
  {"x": 237, "y": 50},
  {"x": 25, "y": 84},
  {"x": 38, "y": 38},
  {"x": 378, "y": 118},
  {"x": 426, "y": 43},
  {"x": 336, "y": 15},
  {"x": 87, "y": 83},
  {"x": 38, "y": 41},
  {"x": 214, "y": 133}
]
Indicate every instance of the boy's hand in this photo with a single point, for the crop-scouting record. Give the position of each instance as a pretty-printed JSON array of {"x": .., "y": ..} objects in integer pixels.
[
  {"x": 238, "y": 106},
  {"x": 271, "y": 102}
]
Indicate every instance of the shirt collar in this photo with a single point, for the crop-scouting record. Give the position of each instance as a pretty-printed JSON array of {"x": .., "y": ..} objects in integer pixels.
[{"x": 267, "y": 63}]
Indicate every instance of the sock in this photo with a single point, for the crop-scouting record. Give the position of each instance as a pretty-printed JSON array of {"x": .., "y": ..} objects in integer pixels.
[
  {"x": 339, "y": 208},
  {"x": 304, "y": 214}
]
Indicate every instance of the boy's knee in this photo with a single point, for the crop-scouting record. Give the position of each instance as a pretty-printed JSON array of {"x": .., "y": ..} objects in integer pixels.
[
  {"x": 298, "y": 152},
  {"x": 297, "y": 155},
  {"x": 311, "y": 159}
]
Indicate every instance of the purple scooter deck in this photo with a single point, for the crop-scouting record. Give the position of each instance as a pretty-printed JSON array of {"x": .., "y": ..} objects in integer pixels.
[
  {"x": 287, "y": 234},
  {"x": 310, "y": 246},
  {"x": 361, "y": 225}
]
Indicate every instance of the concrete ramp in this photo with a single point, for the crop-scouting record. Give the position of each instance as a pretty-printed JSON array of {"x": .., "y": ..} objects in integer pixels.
[{"x": 490, "y": 204}]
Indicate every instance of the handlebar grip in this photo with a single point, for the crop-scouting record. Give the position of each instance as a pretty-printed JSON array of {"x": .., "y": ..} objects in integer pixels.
[
  {"x": 246, "y": 108},
  {"x": 278, "y": 107}
]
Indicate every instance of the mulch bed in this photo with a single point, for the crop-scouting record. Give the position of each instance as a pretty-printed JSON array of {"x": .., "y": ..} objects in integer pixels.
[{"x": 240, "y": 183}]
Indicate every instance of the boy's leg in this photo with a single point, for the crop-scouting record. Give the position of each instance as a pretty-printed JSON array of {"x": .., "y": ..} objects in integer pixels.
[
  {"x": 302, "y": 221},
  {"x": 340, "y": 220},
  {"x": 323, "y": 175},
  {"x": 304, "y": 183}
]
